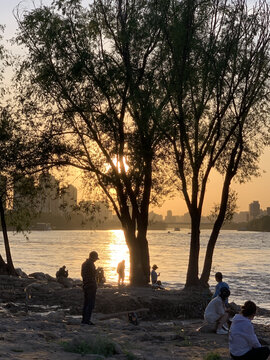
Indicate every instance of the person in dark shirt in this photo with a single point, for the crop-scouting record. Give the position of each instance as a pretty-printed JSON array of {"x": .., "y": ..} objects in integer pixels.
[
  {"x": 88, "y": 273},
  {"x": 62, "y": 272}
]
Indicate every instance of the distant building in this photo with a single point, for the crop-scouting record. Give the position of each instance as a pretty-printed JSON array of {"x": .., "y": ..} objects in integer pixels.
[
  {"x": 254, "y": 210},
  {"x": 49, "y": 201},
  {"x": 169, "y": 217},
  {"x": 68, "y": 198},
  {"x": 186, "y": 218},
  {"x": 268, "y": 211},
  {"x": 153, "y": 217},
  {"x": 242, "y": 216}
]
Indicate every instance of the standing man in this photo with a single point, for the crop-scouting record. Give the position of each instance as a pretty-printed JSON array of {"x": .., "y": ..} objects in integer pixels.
[{"x": 88, "y": 273}]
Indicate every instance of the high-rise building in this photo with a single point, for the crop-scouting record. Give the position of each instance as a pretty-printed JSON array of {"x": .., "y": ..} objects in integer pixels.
[
  {"x": 49, "y": 199},
  {"x": 254, "y": 210},
  {"x": 68, "y": 197},
  {"x": 169, "y": 216}
]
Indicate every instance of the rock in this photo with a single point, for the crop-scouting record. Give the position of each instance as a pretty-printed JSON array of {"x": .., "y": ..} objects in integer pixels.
[
  {"x": 13, "y": 308},
  {"x": 42, "y": 276},
  {"x": 49, "y": 335},
  {"x": 21, "y": 273},
  {"x": 167, "y": 336},
  {"x": 55, "y": 316},
  {"x": 66, "y": 282},
  {"x": 92, "y": 357}
]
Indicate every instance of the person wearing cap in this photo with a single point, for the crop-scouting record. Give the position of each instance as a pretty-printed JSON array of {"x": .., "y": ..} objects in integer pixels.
[
  {"x": 216, "y": 314},
  {"x": 154, "y": 275},
  {"x": 88, "y": 272}
]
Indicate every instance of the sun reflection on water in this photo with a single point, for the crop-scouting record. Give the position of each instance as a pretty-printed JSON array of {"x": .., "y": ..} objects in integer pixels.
[{"x": 117, "y": 251}]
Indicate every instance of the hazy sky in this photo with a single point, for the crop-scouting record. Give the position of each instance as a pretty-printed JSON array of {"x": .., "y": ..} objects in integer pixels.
[{"x": 258, "y": 189}]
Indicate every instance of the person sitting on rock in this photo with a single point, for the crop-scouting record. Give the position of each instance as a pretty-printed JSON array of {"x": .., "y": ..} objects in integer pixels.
[
  {"x": 62, "y": 273},
  {"x": 154, "y": 278},
  {"x": 100, "y": 276},
  {"x": 216, "y": 314},
  {"x": 243, "y": 342}
]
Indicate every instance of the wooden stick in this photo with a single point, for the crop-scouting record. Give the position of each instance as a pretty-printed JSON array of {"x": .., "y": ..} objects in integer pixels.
[{"x": 110, "y": 316}]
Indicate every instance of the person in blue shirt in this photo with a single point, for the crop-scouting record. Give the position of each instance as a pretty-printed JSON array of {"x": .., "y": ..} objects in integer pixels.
[{"x": 220, "y": 284}]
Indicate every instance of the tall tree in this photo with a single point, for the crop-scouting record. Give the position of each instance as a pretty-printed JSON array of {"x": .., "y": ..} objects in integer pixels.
[
  {"x": 217, "y": 76},
  {"x": 94, "y": 73}
]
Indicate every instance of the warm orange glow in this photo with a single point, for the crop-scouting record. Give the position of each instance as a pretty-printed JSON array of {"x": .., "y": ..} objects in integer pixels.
[
  {"x": 116, "y": 162},
  {"x": 118, "y": 251}
]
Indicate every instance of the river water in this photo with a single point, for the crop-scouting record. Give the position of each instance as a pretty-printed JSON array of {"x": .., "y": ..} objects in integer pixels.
[{"x": 242, "y": 257}]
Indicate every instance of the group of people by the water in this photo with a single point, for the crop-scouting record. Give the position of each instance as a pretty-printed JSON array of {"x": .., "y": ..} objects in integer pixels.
[{"x": 243, "y": 342}]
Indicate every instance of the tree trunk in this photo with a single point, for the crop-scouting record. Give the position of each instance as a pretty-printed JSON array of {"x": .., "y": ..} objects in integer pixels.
[
  {"x": 215, "y": 232},
  {"x": 10, "y": 267},
  {"x": 192, "y": 278},
  {"x": 139, "y": 259},
  {"x": 209, "y": 254},
  {"x": 3, "y": 267}
]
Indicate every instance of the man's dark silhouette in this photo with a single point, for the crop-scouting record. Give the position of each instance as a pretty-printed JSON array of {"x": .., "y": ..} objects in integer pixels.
[{"x": 89, "y": 287}]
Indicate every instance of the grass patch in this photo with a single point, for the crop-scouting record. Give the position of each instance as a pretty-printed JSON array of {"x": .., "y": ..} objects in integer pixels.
[
  {"x": 99, "y": 346},
  {"x": 212, "y": 356},
  {"x": 130, "y": 356}
]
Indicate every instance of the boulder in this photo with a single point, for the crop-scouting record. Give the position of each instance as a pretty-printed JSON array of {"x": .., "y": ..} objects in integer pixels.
[
  {"x": 21, "y": 273},
  {"x": 42, "y": 276}
]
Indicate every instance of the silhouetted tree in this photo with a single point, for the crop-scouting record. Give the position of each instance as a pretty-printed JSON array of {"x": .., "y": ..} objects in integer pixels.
[
  {"x": 23, "y": 152},
  {"x": 217, "y": 76},
  {"x": 95, "y": 74}
]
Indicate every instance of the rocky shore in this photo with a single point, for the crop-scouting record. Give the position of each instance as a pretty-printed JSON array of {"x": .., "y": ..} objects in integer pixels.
[{"x": 40, "y": 319}]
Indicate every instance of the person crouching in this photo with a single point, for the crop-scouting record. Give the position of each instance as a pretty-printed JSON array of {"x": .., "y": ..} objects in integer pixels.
[{"x": 216, "y": 314}]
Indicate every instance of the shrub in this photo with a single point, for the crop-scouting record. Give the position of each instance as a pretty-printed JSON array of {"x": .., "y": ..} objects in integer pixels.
[
  {"x": 100, "y": 346},
  {"x": 212, "y": 356}
]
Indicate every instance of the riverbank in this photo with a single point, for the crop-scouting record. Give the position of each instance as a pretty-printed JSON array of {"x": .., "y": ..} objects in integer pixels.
[{"x": 40, "y": 319}]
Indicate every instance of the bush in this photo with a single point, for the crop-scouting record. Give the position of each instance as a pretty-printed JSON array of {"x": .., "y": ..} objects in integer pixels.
[
  {"x": 99, "y": 346},
  {"x": 212, "y": 356}
]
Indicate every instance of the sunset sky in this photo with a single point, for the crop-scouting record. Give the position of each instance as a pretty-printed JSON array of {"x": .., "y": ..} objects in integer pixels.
[{"x": 258, "y": 189}]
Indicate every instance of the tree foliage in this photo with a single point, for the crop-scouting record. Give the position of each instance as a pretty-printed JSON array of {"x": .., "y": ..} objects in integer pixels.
[
  {"x": 95, "y": 74},
  {"x": 217, "y": 76}
]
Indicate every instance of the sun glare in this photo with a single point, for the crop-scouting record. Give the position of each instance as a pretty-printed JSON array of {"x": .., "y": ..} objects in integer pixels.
[
  {"x": 116, "y": 162},
  {"x": 119, "y": 251}
]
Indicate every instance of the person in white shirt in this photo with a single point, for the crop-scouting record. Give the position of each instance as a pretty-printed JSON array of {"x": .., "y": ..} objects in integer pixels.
[
  {"x": 216, "y": 314},
  {"x": 243, "y": 342}
]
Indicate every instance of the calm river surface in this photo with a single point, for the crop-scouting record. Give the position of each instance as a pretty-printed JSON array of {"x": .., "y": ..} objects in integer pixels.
[{"x": 242, "y": 257}]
